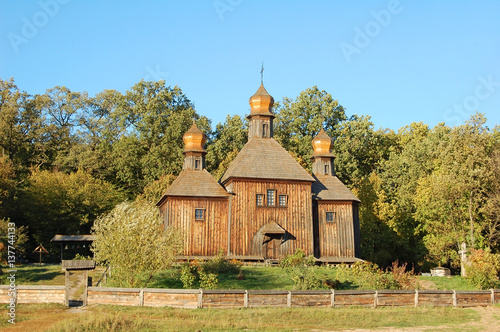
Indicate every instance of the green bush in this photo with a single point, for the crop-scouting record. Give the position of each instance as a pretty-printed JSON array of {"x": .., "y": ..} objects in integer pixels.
[
  {"x": 298, "y": 258},
  {"x": 205, "y": 275},
  {"x": 367, "y": 275},
  {"x": 483, "y": 269}
]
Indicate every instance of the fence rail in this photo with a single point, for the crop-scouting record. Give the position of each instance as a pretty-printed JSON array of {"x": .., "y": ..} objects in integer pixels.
[{"x": 206, "y": 298}]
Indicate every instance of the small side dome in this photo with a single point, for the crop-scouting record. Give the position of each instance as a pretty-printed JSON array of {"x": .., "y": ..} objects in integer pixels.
[
  {"x": 322, "y": 144},
  {"x": 261, "y": 102},
  {"x": 194, "y": 140}
]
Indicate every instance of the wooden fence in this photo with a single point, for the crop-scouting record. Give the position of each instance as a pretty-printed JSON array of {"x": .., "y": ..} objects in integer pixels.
[{"x": 204, "y": 298}]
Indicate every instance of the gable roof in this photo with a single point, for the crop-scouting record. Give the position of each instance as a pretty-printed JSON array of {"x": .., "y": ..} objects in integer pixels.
[
  {"x": 328, "y": 187},
  {"x": 195, "y": 183},
  {"x": 264, "y": 158}
]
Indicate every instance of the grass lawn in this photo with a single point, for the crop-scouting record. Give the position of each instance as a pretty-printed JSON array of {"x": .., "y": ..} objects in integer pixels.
[
  {"x": 255, "y": 277},
  {"x": 121, "y": 318},
  {"x": 46, "y": 274}
]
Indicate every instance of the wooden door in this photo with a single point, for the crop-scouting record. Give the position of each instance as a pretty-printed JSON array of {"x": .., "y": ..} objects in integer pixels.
[{"x": 273, "y": 246}]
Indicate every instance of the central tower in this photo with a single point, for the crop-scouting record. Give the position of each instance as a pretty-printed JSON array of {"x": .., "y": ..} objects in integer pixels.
[{"x": 261, "y": 116}]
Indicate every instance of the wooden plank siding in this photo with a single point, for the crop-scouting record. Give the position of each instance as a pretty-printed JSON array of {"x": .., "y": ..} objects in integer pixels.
[
  {"x": 201, "y": 237},
  {"x": 248, "y": 219},
  {"x": 337, "y": 238}
]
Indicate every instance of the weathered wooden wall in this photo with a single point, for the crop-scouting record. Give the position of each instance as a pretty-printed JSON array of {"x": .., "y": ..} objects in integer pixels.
[
  {"x": 194, "y": 298},
  {"x": 336, "y": 239},
  {"x": 201, "y": 237},
  {"x": 247, "y": 218}
]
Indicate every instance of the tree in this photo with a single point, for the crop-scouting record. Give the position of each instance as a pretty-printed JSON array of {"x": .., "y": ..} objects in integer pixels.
[
  {"x": 23, "y": 131},
  {"x": 58, "y": 203},
  {"x": 225, "y": 143},
  {"x": 449, "y": 200},
  {"x": 297, "y": 122},
  {"x": 359, "y": 149},
  {"x": 131, "y": 239}
]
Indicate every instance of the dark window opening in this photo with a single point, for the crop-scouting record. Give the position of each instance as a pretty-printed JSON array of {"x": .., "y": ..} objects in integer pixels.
[
  {"x": 271, "y": 197},
  {"x": 327, "y": 169},
  {"x": 264, "y": 130},
  {"x": 282, "y": 200},
  {"x": 199, "y": 214},
  {"x": 197, "y": 163},
  {"x": 259, "y": 199},
  {"x": 330, "y": 217}
]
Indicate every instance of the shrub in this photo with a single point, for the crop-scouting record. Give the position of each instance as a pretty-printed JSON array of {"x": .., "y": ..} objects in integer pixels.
[
  {"x": 189, "y": 274},
  {"x": 298, "y": 258},
  {"x": 368, "y": 275},
  {"x": 483, "y": 269},
  {"x": 205, "y": 275},
  {"x": 221, "y": 265}
]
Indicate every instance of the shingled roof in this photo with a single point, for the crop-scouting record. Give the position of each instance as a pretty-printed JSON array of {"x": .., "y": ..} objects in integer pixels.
[
  {"x": 195, "y": 183},
  {"x": 264, "y": 158},
  {"x": 328, "y": 187}
]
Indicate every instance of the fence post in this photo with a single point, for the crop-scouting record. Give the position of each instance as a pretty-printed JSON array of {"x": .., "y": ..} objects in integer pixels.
[
  {"x": 245, "y": 299},
  {"x": 375, "y": 299},
  {"x": 289, "y": 299},
  {"x": 492, "y": 296},
  {"x": 454, "y": 298},
  {"x": 141, "y": 297},
  {"x": 416, "y": 298},
  {"x": 200, "y": 298},
  {"x": 333, "y": 299}
]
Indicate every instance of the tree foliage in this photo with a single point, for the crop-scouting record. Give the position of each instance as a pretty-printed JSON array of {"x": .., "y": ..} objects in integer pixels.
[
  {"x": 67, "y": 157},
  {"x": 59, "y": 203},
  {"x": 132, "y": 240}
]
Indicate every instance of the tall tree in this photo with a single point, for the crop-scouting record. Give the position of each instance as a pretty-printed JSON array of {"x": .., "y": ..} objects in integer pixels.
[
  {"x": 132, "y": 240},
  {"x": 227, "y": 140},
  {"x": 23, "y": 131},
  {"x": 58, "y": 203},
  {"x": 298, "y": 121}
]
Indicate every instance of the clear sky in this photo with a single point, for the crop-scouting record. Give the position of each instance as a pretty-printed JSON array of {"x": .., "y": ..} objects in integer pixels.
[{"x": 396, "y": 61}]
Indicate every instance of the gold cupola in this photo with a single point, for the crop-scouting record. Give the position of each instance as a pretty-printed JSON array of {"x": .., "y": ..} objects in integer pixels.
[
  {"x": 322, "y": 144},
  {"x": 194, "y": 140},
  {"x": 261, "y": 116},
  {"x": 322, "y": 155},
  {"x": 261, "y": 102},
  {"x": 194, "y": 148}
]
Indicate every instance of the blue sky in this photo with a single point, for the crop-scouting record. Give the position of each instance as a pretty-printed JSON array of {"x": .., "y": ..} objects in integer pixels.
[{"x": 396, "y": 61}]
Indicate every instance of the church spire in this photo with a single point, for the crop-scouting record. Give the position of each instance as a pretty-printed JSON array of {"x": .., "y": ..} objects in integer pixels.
[
  {"x": 194, "y": 148},
  {"x": 322, "y": 156},
  {"x": 261, "y": 116}
]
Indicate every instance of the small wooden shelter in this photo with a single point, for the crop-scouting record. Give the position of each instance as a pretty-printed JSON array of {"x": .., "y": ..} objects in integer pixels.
[{"x": 266, "y": 205}]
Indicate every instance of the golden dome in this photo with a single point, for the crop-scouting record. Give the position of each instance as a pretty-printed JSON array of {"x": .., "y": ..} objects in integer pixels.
[
  {"x": 261, "y": 102},
  {"x": 322, "y": 144},
  {"x": 194, "y": 140}
]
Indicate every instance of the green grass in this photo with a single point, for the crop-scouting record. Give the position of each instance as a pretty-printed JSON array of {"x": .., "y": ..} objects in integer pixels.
[
  {"x": 121, "y": 318},
  {"x": 255, "y": 277},
  {"x": 448, "y": 283},
  {"x": 47, "y": 274}
]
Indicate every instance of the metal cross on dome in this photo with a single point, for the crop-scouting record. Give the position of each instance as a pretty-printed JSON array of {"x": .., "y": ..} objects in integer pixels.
[{"x": 262, "y": 74}]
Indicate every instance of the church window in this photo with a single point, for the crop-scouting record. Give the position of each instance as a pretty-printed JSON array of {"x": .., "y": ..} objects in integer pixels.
[
  {"x": 259, "y": 199},
  {"x": 199, "y": 214},
  {"x": 282, "y": 200},
  {"x": 327, "y": 169},
  {"x": 271, "y": 199},
  {"x": 264, "y": 130},
  {"x": 197, "y": 164},
  {"x": 330, "y": 217}
]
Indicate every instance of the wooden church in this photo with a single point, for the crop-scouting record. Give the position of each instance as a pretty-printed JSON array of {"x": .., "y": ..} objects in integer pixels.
[{"x": 266, "y": 205}]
